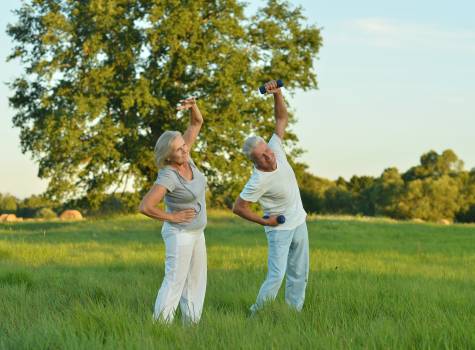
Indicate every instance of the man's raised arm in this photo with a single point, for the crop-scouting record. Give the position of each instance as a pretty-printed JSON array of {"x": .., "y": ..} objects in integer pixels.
[{"x": 280, "y": 110}]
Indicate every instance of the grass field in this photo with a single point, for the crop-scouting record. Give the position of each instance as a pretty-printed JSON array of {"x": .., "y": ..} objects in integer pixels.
[{"x": 373, "y": 284}]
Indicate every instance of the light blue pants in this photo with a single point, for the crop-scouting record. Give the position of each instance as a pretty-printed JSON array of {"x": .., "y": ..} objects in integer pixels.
[{"x": 288, "y": 253}]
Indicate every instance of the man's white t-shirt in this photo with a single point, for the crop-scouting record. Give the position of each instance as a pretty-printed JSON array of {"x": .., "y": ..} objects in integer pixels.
[{"x": 276, "y": 191}]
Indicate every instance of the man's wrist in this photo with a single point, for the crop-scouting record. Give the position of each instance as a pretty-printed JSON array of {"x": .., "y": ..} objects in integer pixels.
[{"x": 262, "y": 221}]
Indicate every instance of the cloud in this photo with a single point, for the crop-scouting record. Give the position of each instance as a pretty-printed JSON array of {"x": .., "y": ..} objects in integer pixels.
[{"x": 389, "y": 33}]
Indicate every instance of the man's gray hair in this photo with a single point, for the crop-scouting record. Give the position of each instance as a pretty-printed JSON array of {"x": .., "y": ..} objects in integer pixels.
[{"x": 249, "y": 145}]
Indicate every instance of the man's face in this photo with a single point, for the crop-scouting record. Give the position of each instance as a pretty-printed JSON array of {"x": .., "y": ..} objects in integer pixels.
[
  {"x": 179, "y": 154},
  {"x": 264, "y": 157}
]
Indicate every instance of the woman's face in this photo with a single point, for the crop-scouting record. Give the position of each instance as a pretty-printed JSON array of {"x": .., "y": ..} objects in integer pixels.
[{"x": 179, "y": 154}]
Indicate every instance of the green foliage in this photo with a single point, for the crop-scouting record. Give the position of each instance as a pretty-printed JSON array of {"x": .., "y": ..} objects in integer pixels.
[
  {"x": 8, "y": 203},
  {"x": 29, "y": 207},
  {"x": 111, "y": 204},
  {"x": 101, "y": 81},
  {"x": 338, "y": 200},
  {"x": 436, "y": 189},
  {"x": 467, "y": 197},
  {"x": 430, "y": 199},
  {"x": 121, "y": 203},
  {"x": 361, "y": 188},
  {"x": 387, "y": 191},
  {"x": 434, "y": 165},
  {"x": 45, "y": 213},
  {"x": 467, "y": 214},
  {"x": 433, "y": 189},
  {"x": 312, "y": 188}
]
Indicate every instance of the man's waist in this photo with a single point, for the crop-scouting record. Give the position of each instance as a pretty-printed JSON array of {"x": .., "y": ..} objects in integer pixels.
[
  {"x": 283, "y": 209},
  {"x": 290, "y": 223}
]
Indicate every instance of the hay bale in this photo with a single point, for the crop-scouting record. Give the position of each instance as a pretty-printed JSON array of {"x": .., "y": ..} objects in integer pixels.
[
  {"x": 3, "y": 216},
  {"x": 10, "y": 218},
  {"x": 71, "y": 215},
  {"x": 444, "y": 222}
]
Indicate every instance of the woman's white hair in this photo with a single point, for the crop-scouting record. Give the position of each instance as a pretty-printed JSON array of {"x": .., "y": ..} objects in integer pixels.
[
  {"x": 163, "y": 147},
  {"x": 249, "y": 145}
]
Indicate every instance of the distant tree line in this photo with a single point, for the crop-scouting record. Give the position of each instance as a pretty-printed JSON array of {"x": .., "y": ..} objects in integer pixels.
[
  {"x": 40, "y": 206},
  {"x": 438, "y": 188}
]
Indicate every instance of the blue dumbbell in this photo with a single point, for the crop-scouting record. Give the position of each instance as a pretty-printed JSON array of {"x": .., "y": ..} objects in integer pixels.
[
  {"x": 262, "y": 88},
  {"x": 280, "y": 218}
]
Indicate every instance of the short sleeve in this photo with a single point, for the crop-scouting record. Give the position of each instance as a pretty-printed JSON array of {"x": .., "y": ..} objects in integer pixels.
[
  {"x": 166, "y": 178},
  {"x": 275, "y": 144},
  {"x": 253, "y": 190}
]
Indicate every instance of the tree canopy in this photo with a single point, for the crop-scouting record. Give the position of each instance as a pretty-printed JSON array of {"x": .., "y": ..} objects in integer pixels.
[{"x": 101, "y": 80}]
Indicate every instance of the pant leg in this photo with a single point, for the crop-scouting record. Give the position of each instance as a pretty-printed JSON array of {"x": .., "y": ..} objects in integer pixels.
[
  {"x": 178, "y": 252},
  {"x": 278, "y": 243},
  {"x": 193, "y": 296},
  {"x": 297, "y": 268}
]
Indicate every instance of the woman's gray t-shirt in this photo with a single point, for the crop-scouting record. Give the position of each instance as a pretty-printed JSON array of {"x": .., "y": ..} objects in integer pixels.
[{"x": 183, "y": 194}]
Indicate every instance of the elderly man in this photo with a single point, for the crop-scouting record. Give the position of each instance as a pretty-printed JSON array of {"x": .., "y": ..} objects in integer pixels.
[{"x": 274, "y": 186}]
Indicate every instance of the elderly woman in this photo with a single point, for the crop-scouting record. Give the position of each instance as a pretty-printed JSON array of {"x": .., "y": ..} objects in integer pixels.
[{"x": 182, "y": 185}]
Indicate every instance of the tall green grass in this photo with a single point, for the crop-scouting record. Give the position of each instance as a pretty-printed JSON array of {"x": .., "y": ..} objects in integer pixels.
[{"x": 373, "y": 284}]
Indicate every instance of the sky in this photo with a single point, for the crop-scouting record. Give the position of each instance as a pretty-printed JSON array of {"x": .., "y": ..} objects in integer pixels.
[{"x": 395, "y": 80}]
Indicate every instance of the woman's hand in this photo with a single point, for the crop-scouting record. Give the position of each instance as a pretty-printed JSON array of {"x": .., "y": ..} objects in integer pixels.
[
  {"x": 196, "y": 120},
  {"x": 182, "y": 216},
  {"x": 187, "y": 103}
]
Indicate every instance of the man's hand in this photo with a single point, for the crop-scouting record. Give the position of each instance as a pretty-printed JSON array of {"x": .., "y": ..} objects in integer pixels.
[
  {"x": 241, "y": 208},
  {"x": 272, "y": 221},
  {"x": 182, "y": 216},
  {"x": 272, "y": 88},
  {"x": 187, "y": 103}
]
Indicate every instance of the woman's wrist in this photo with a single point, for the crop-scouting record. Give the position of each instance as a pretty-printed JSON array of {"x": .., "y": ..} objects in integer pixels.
[
  {"x": 196, "y": 117},
  {"x": 168, "y": 217}
]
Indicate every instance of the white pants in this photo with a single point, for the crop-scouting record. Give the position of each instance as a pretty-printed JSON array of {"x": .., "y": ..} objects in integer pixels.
[{"x": 185, "y": 276}]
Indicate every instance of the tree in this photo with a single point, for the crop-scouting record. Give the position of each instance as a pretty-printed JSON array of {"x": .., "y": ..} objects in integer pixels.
[
  {"x": 312, "y": 190},
  {"x": 45, "y": 213},
  {"x": 431, "y": 199},
  {"x": 8, "y": 203},
  {"x": 361, "y": 188},
  {"x": 101, "y": 81},
  {"x": 434, "y": 165},
  {"x": 435, "y": 188},
  {"x": 29, "y": 207},
  {"x": 467, "y": 200},
  {"x": 338, "y": 200},
  {"x": 387, "y": 192}
]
